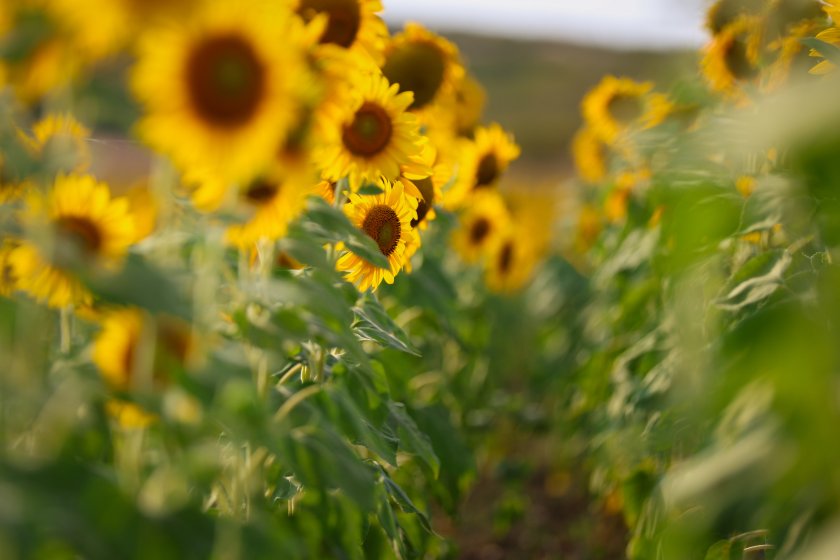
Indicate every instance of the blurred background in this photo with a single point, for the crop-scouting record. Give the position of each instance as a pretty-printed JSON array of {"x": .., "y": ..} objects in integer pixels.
[{"x": 538, "y": 58}]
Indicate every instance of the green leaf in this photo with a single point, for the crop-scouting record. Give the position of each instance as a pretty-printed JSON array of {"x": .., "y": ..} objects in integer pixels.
[
  {"x": 412, "y": 439},
  {"x": 374, "y": 324},
  {"x": 405, "y": 503}
]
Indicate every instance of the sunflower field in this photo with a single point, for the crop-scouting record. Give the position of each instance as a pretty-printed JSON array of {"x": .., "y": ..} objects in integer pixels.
[{"x": 267, "y": 290}]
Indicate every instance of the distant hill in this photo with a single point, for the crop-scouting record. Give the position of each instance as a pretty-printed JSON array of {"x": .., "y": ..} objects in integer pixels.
[{"x": 535, "y": 87}]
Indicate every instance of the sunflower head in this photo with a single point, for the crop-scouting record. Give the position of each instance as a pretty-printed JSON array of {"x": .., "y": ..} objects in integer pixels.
[
  {"x": 617, "y": 106},
  {"x": 510, "y": 261},
  {"x": 370, "y": 134},
  {"x": 347, "y": 24},
  {"x": 386, "y": 218},
  {"x": 732, "y": 57},
  {"x": 423, "y": 63},
  {"x": 221, "y": 90},
  {"x": 724, "y": 12},
  {"x": 61, "y": 139},
  {"x": 76, "y": 225},
  {"x": 269, "y": 204},
  {"x": 482, "y": 163},
  {"x": 482, "y": 221}
]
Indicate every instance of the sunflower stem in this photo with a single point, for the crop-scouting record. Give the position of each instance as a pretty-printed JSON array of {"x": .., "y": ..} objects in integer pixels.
[{"x": 65, "y": 328}]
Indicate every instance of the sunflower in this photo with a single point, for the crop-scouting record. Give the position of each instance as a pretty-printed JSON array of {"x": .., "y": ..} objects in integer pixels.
[
  {"x": 370, "y": 135},
  {"x": 76, "y": 225},
  {"x": 482, "y": 163},
  {"x": 350, "y": 24},
  {"x": 732, "y": 58},
  {"x": 135, "y": 351},
  {"x": 423, "y": 63},
  {"x": 510, "y": 262},
  {"x": 272, "y": 201},
  {"x": 590, "y": 155},
  {"x": 385, "y": 218},
  {"x": 62, "y": 138},
  {"x": 482, "y": 221},
  {"x": 618, "y": 105},
  {"x": 221, "y": 89},
  {"x": 617, "y": 201}
]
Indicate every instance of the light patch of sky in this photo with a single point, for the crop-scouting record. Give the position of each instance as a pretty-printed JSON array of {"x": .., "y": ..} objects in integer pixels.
[{"x": 653, "y": 24}]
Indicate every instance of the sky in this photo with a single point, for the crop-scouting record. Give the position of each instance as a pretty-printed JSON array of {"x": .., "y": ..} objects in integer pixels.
[{"x": 652, "y": 24}]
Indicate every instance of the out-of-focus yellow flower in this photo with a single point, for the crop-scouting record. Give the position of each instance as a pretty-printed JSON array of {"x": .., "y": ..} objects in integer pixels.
[
  {"x": 483, "y": 162},
  {"x": 145, "y": 208},
  {"x": 385, "y": 218},
  {"x": 590, "y": 155},
  {"x": 221, "y": 90},
  {"x": 423, "y": 63},
  {"x": 76, "y": 224},
  {"x": 137, "y": 352},
  {"x": 724, "y": 12},
  {"x": 511, "y": 261},
  {"x": 273, "y": 202},
  {"x": 482, "y": 221},
  {"x": 370, "y": 135},
  {"x": 62, "y": 137},
  {"x": 618, "y": 105},
  {"x": 589, "y": 226},
  {"x": 615, "y": 206},
  {"x": 10, "y": 190},
  {"x": 791, "y": 55},
  {"x": 731, "y": 59},
  {"x": 350, "y": 24},
  {"x": 745, "y": 185}
]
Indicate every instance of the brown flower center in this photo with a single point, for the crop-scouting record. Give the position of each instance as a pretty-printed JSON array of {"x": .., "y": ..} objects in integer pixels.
[
  {"x": 506, "y": 258},
  {"x": 76, "y": 237},
  {"x": 344, "y": 19},
  {"x": 427, "y": 189},
  {"x": 625, "y": 108},
  {"x": 418, "y": 67},
  {"x": 737, "y": 61},
  {"x": 488, "y": 171},
  {"x": 260, "y": 192},
  {"x": 383, "y": 226},
  {"x": 370, "y": 132},
  {"x": 479, "y": 230},
  {"x": 225, "y": 80}
]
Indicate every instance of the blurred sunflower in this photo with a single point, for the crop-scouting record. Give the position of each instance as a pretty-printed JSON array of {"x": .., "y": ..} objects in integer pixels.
[
  {"x": 76, "y": 225},
  {"x": 791, "y": 56},
  {"x": 590, "y": 156},
  {"x": 732, "y": 58},
  {"x": 220, "y": 89},
  {"x": 483, "y": 162},
  {"x": 273, "y": 202},
  {"x": 385, "y": 218},
  {"x": 511, "y": 261},
  {"x": 482, "y": 221},
  {"x": 370, "y": 135},
  {"x": 135, "y": 351},
  {"x": 618, "y": 105},
  {"x": 350, "y": 24},
  {"x": 423, "y": 63},
  {"x": 63, "y": 139}
]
